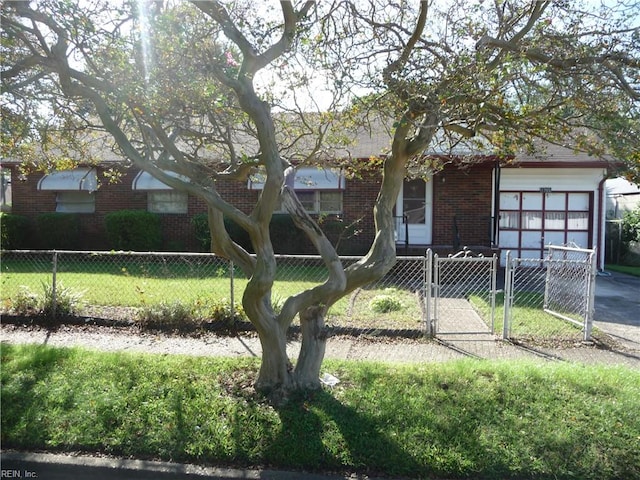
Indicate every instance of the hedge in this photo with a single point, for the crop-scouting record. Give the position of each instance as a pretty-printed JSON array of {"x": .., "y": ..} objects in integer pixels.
[
  {"x": 15, "y": 231},
  {"x": 285, "y": 236},
  {"x": 59, "y": 231},
  {"x": 135, "y": 230}
]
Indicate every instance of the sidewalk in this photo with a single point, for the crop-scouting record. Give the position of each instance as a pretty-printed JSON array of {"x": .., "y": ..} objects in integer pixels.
[
  {"x": 63, "y": 467},
  {"x": 382, "y": 349}
]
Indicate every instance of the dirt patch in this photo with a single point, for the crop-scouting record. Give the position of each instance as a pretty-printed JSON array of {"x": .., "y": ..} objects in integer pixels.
[{"x": 126, "y": 317}]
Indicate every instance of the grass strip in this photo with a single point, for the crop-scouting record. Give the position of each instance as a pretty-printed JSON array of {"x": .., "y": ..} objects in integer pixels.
[
  {"x": 462, "y": 419},
  {"x": 628, "y": 269},
  {"x": 529, "y": 320}
]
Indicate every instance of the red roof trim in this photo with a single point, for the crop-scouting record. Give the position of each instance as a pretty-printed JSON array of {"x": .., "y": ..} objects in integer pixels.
[{"x": 596, "y": 164}]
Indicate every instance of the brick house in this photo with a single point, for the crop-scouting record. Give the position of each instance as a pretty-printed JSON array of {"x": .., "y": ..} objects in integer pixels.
[{"x": 522, "y": 206}]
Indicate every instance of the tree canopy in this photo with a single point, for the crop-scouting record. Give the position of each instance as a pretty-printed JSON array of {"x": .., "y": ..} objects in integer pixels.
[
  {"x": 506, "y": 74},
  {"x": 212, "y": 90}
]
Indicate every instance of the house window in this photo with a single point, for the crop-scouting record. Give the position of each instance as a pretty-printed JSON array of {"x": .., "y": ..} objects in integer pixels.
[
  {"x": 75, "y": 202},
  {"x": 319, "y": 190},
  {"x": 308, "y": 200},
  {"x": 318, "y": 201},
  {"x": 167, "y": 201},
  {"x": 74, "y": 189},
  {"x": 330, "y": 202}
]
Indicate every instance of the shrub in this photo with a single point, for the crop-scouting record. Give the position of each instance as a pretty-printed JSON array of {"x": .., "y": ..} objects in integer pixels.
[
  {"x": 25, "y": 302},
  {"x": 631, "y": 226},
  {"x": 208, "y": 309},
  {"x": 14, "y": 231},
  {"x": 136, "y": 230},
  {"x": 200, "y": 224},
  {"x": 58, "y": 230},
  {"x": 385, "y": 304},
  {"x": 174, "y": 316},
  {"x": 65, "y": 302},
  {"x": 175, "y": 246},
  {"x": 180, "y": 317},
  {"x": 341, "y": 233},
  {"x": 630, "y": 237},
  {"x": 285, "y": 235}
]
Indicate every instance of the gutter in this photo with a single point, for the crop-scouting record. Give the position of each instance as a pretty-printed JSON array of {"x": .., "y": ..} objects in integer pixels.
[{"x": 496, "y": 206}]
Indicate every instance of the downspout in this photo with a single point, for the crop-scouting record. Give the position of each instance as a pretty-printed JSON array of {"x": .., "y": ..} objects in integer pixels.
[
  {"x": 495, "y": 208},
  {"x": 601, "y": 218}
]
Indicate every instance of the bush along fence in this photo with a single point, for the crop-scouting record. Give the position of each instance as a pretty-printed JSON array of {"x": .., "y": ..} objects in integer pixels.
[{"x": 549, "y": 299}]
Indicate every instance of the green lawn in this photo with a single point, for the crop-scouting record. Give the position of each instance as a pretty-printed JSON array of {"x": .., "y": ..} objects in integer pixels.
[
  {"x": 462, "y": 419},
  {"x": 629, "y": 270},
  {"x": 135, "y": 284},
  {"x": 529, "y": 320}
]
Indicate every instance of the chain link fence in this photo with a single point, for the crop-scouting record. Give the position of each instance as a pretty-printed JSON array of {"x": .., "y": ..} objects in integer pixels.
[
  {"x": 550, "y": 300},
  {"x": 120, "y": 285},
  {"x": 547, "y": 300}
]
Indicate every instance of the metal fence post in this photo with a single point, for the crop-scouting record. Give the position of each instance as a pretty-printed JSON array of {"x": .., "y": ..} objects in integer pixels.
[
  {"x": 54, "y": 293},
  {"x": 231, "y": 293},
  {"x": 494, "y": 282},
  {"x": 436, "y": 292},
  {"x": 547, "y": 280},
  {"x": 428, "y": 271},
  {"x": 591, "y": 293},
  {"x": 508, "y": 295}
]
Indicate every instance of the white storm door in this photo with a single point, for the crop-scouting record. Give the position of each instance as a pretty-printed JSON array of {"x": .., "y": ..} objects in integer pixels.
[{"x": 415, "y": 215}]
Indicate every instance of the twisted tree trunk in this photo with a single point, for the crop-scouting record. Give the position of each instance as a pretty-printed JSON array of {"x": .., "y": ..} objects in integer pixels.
[{"x": 314, "y": 342}]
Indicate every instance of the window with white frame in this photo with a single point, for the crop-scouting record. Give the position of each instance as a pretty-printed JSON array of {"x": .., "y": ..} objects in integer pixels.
[
  {"x": 75, "y": 202},
  {"x": 319, "y": 201},
  {"x": 167, "y": 201},
  {"x": 318, "y": 189}
]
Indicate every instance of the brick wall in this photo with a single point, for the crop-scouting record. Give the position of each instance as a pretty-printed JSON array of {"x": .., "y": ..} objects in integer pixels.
[
  {"x": 463, "y": 194},
  {"x": 466, "y": 195},
  {"x": 358, "y": 199}
]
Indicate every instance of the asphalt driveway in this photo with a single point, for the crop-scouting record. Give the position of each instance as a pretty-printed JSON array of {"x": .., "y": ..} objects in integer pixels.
[{"x": 617, "y": 306}]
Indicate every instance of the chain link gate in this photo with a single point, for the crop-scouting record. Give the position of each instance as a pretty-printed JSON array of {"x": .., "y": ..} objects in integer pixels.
[
  {"x": 560, "y": 286},
  {"x": 457, "y": 288}
]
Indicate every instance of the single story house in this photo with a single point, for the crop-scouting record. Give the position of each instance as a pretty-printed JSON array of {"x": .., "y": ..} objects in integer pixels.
[{"x": 532, "y": 201}]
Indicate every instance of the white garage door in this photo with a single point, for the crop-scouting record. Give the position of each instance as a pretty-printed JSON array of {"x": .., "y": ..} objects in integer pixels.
[{"x": 531, "y": 220}]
